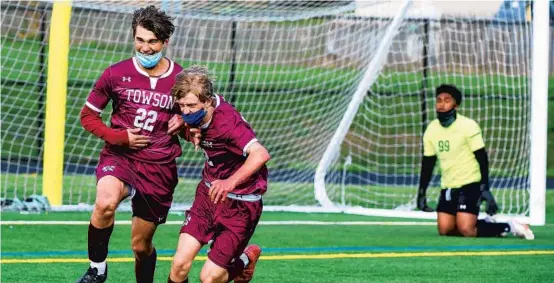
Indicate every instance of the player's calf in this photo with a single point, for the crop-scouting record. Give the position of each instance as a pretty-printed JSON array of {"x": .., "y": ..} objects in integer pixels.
[
  {"x": 487, "y": 228},
  {"x": 98, "y": 241},
  {"x": 145, "y": 265}
]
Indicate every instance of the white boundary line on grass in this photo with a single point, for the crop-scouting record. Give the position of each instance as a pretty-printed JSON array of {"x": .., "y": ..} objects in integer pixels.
[{"x": 292, "y": 222}]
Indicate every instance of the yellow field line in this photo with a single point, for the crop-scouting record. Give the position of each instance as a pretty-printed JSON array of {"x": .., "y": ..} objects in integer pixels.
[{"x": 304, "y": 256}]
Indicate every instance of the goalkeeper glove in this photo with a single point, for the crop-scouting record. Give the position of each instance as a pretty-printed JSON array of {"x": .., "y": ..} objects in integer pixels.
[
  {"x": 422, "y": 202},
  {"x": 487, "y": 196}
]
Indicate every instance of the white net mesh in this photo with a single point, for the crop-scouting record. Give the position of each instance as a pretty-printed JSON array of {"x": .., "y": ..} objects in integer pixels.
[
  {"x": 380, "y": 159},
  {"x": 291, "y": 68}
]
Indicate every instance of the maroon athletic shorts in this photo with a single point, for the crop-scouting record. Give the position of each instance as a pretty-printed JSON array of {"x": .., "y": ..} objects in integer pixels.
[
  {"x": 152, "y": 183},
  {"x": 230, "y": 225}
]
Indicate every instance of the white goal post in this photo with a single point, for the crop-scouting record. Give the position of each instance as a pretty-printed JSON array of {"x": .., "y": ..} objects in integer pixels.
[{"x": 539, "y": 112}]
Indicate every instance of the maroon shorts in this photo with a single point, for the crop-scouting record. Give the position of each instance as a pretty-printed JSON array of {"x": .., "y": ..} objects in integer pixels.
[
  {"x": 153, "y": 184},
  {"x": 230, "y": 225}
]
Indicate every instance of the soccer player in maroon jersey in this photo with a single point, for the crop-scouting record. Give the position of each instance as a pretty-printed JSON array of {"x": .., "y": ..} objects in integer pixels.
[
  {"x": 228, "y": 201},
  {"x": 138, "y": 159}
]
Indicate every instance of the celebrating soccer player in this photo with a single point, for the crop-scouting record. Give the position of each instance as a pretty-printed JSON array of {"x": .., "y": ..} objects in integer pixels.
[
  {"x": 458, "y": 144},
  {"x": 228, "y": 201},
  {"x": 138, "y": 159}
]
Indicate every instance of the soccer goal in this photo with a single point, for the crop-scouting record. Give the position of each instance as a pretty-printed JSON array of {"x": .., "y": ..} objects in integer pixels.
[{"x": 339, "y": 97}]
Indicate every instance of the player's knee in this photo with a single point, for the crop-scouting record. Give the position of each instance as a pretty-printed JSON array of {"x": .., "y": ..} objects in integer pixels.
[
  {"x": 443, "y": 232},
  {"x": 467, "y": 231},
  {"x": 141, "y": 248},
  {"x": 105, "y": 208},
  {"x": 180, "y": 267},
  {"x": 210, "y": 277}
]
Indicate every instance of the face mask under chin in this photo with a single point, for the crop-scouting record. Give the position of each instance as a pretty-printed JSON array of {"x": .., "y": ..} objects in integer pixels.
[
  {"x": 447, "y": 118},
  {"x": 148, "y": 61}
]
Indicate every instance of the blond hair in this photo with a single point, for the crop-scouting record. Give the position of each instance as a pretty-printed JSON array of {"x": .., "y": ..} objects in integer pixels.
[{"x": 196, "y": 80}]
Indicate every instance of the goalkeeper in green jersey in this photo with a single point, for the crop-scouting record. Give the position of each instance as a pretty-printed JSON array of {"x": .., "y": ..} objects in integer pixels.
[{"x": 457, "y": 143}]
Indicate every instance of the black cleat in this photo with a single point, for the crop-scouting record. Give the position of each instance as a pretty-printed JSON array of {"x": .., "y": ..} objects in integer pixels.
[{"x": 92, "y": 276}]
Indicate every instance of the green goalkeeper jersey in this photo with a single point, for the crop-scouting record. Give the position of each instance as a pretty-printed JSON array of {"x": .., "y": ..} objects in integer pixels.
[{"x": 454, "y": 147}]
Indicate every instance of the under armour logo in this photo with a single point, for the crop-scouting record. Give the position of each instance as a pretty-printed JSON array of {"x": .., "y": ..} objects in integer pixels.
[
  {"x": 108, "y": 168},
  {"x": 205, "y": 143},
  {"x": 462, "y": 206},
  {"x": 160, "y": 219},
  {"x": 126, "y": 79}
]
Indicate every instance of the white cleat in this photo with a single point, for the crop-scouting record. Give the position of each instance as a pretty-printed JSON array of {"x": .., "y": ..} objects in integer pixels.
[{"x": 521, "y": 230}]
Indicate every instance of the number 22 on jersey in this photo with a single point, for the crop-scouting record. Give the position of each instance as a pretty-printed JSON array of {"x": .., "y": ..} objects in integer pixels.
[{"x": 145, "y": 119}]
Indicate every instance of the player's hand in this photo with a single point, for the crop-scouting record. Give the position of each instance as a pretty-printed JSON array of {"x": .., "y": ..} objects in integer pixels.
[
  {"x": 219, "y": 190},
  {"x": 137, "y": 141},
  {"x": 196, "y": 137},
  {"x": 422, "y": 203},
  {"x": 487, "y": 196},
  {"x": 175, "y": 124}
]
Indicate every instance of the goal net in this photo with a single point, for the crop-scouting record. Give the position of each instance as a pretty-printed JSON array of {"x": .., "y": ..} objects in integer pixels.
[
  {"x": 292, "y": 69},
  {"x": 376, "y": 168}
]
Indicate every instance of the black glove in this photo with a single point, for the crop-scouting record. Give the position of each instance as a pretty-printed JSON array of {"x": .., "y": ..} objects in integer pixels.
[
  {"x": 422, "y": 202},
  {"x": 487, "y": 196}
]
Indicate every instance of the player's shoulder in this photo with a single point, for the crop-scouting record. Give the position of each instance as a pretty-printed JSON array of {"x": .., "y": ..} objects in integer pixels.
[
  {"x": 226, "y": 116},
  {"x": 225, "y": 110},
  {"x": 466, "y": 122},
  {"x": 432, "y": 127},
  {"x": 121, "y": 67},
  {"x": 177, "y": 68}
]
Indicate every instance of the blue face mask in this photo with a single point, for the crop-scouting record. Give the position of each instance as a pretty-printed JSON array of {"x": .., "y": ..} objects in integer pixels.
[
  {"x": 148, "y": 61},
  {"x": 194, "y": 119}
]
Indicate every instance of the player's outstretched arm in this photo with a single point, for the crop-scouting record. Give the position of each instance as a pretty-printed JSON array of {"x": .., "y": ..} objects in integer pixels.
[
  {"x": 257, "y": 157},
  {"x": 486, "y": 195},
  {"x": 427, "y": 165}
]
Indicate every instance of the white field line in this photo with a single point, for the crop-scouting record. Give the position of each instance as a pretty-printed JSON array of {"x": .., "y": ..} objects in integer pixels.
[{"x": 292, "y": 222}]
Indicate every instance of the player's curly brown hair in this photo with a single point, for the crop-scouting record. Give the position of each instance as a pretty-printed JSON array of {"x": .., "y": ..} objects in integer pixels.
[
  {"x": 154, "y": 20},
  {"x": 195, "y": 79}
]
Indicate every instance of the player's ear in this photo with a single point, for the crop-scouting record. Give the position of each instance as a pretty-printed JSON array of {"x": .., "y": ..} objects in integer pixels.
[{"x": 210, "y": 101}]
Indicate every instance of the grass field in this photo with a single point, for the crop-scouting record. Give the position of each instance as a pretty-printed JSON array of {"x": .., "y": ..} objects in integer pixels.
[{"x": 293, "y": 253}]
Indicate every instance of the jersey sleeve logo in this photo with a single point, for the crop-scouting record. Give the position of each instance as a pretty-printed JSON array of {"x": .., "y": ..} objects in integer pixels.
[
  {"x": 126, "y": 79},
  {"x": 108, "y": 168}
]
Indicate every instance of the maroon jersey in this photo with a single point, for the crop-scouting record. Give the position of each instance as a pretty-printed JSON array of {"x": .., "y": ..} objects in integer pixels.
[
  {"x": 139, "y": 101},
  {"x": 225, "y": 141}
]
